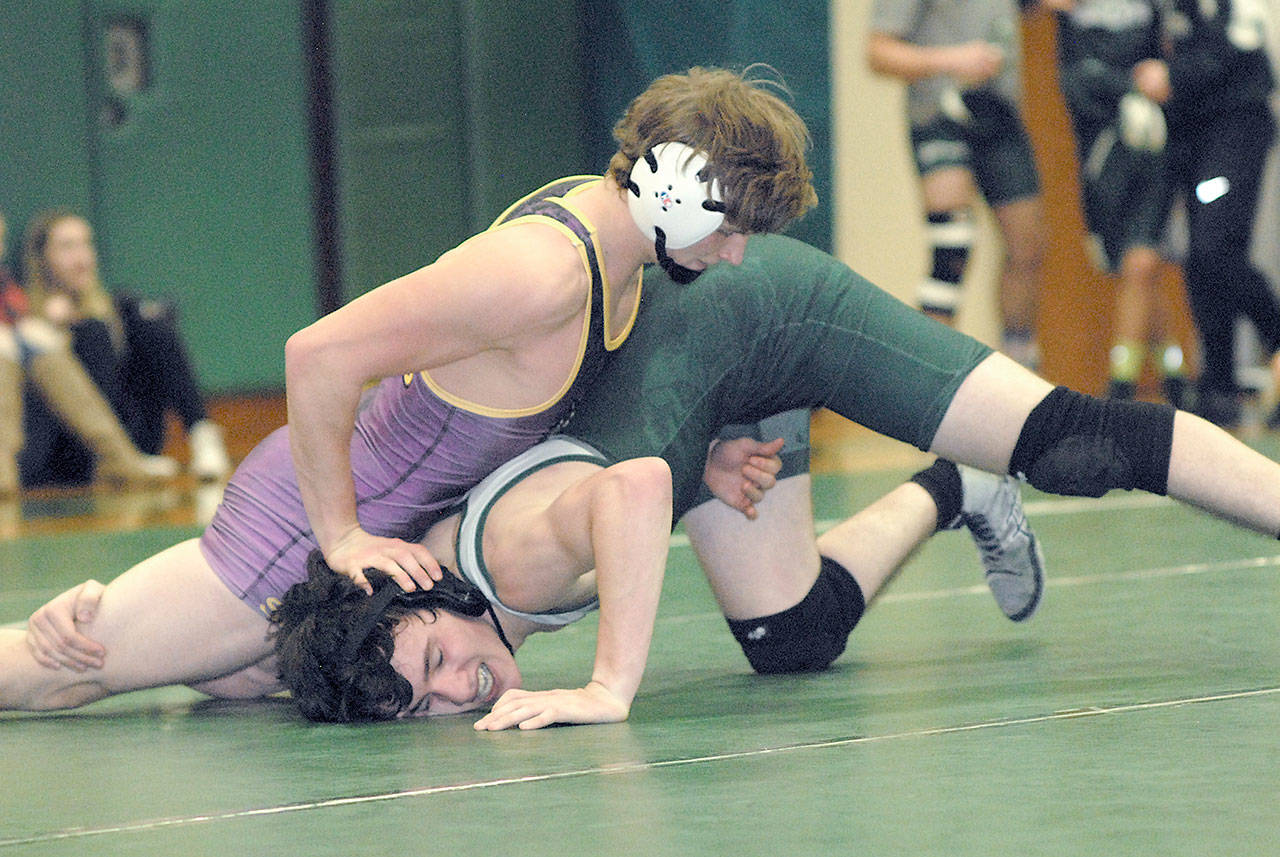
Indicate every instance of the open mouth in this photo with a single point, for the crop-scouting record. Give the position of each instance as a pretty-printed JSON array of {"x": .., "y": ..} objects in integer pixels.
[{"x": 485, "y": 685}]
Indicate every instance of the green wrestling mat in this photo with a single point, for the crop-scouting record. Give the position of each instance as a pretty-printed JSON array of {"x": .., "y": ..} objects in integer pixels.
[{"x": 1136, "y": 713}]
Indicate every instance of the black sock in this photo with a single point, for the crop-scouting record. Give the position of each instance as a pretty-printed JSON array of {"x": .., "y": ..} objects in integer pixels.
[{"x": 942, "y": 480}]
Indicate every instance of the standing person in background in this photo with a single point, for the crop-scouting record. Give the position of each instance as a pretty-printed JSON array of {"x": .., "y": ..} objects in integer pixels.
[
  {"x": 1124, "y": 182},
  {"x": 961, "y": 61},
  {"x": 31, "y": 349},
  {"x": 131, "y": 347},
  {"x": 1215, "y": 83}
]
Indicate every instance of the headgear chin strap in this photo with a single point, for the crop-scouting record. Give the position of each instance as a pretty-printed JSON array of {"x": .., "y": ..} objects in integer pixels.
[
  {"x": 450, "y": 593},
  {"x": 672, "y": 192}
]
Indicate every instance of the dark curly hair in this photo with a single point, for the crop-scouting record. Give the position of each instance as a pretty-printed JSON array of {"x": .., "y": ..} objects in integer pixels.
[{"x": 329, "y": 682}]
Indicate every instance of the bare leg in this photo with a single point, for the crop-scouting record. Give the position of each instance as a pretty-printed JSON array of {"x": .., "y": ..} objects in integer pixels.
[
  {"x": 252, "y": 682},
  {"x": 948, "y": 189},
  {"x": 761, "y": 567},
  {"x": 1023, "y": 228},
  {"x": 982, "y": 424},
  {"x": 1139, "y": 311},
  {"x": 1208, "y": 468},
  {"x": 1214, "y": 471},
  {"x": 168, "y": 620},
  {"x": 758, "y": 567},
  {"x": 1140, "y": 322},
  {"x": 875, "y": 542}
]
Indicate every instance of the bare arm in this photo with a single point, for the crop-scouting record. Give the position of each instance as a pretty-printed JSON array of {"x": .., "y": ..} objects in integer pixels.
[
  {"x": 438, "y": 316},
  {"x": 619, "y": 520},
  {"x": 969, "y": 64}
]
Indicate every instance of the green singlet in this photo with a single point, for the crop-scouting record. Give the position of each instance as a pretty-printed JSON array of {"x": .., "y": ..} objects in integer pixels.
[{"x": 791, "y": 327}]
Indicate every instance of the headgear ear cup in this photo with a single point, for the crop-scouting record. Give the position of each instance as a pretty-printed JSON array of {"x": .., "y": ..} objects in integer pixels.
[{"x": 671, "y": 191}]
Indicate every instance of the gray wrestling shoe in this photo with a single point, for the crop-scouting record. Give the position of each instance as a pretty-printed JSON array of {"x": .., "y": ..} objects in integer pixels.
[{"x": 1009, "y": 551}]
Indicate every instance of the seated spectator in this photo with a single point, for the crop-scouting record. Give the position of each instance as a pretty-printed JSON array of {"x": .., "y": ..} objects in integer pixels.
[
  {"x": 33, "y": 350},
  {"x": 130, "y": 346}
]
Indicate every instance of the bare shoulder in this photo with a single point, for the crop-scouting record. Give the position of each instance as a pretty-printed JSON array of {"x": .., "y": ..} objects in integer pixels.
[{"x": 535, "y": 270}]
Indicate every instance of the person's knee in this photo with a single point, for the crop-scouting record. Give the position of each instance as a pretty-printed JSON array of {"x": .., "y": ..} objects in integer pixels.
[
  {"x": 950, "y": 235},
  {"x": 1141, "y": 265},
  {"x": 1079, "y": 445},
  {"x": 1025, "y": 234},
  {"x": 810, "y": 635}
]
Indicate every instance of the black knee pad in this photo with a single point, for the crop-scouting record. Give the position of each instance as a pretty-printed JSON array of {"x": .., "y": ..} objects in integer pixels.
[
  {"x": 810, "y": 635},
  {"x": 1082, "y": 446}
]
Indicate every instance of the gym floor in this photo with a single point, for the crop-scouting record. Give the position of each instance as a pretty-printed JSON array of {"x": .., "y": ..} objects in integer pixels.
[{"x": 1136, "y": 713}]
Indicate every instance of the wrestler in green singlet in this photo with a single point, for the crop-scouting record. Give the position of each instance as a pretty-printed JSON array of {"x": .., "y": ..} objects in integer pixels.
[{"x": 791, "y": 327}]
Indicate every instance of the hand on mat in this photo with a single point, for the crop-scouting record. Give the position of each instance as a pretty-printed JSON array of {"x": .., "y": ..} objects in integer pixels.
[
  {"x": 408, "y": 563},
  {"x": 533, "y": 709},
  {"x": 53, "y": 633},
  {"x": 741, "y": 470}
]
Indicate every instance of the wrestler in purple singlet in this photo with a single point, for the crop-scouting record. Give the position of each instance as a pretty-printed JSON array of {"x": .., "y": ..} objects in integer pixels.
[{"x": 414, "y": 453}]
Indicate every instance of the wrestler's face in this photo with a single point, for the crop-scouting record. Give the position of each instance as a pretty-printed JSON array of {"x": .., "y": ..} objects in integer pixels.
[
  {"x": 726, "y": 244},
  {"x": 70, "y": 255},
  {"x": 454, "y": 663}
]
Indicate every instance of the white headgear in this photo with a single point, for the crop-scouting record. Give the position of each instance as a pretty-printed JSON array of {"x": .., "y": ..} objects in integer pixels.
[{"x": 669, "y": 190}]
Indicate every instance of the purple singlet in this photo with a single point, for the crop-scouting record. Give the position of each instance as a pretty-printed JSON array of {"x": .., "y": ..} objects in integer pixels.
[{"x": 413, "y": 454}]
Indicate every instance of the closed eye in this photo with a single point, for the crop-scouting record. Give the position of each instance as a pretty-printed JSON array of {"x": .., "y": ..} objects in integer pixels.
[{"x": 420, "y": 708}]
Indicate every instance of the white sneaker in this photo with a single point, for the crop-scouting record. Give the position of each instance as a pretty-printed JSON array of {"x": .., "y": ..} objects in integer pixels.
[
  {"x": 1010, "y": 552},
  {"x": 137, "y": 469},
  {"x": 209, "y": 459}
]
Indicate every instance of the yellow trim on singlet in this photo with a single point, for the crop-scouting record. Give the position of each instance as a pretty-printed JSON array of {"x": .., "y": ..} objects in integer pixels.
[
  {"x": 586, "y": 180},
  {"x": 611, "y": 342}
]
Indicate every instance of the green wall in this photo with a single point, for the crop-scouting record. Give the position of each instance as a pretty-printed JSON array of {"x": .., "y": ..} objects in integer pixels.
[
  {"x": 202, "y": 192},
  {"x": 42, "y": 113},
  {"x": 445, "y": 111},
  {"x": 199, "y": 192}
]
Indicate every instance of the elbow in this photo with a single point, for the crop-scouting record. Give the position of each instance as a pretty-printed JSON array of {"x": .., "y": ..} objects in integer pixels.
[
  {"x": 642, "y": 482},
  {"x": 296, "y": 348},
  {"x": 303, "y": 354}
]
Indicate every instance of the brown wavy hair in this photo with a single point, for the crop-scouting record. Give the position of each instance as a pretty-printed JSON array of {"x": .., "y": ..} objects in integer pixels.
[
  {"x": 754, "y": 140},
  {"x": 39, "y": 282}
]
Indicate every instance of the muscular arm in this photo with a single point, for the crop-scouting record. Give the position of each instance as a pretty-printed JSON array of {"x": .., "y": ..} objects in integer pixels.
[
  {"x": 439, "y": 316},
  {"x": 619, "y": 521}
]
